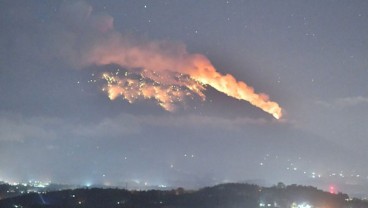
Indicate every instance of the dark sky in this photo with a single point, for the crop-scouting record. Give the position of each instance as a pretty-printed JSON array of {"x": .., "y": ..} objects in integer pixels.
[{"x": 56, "y": 124}]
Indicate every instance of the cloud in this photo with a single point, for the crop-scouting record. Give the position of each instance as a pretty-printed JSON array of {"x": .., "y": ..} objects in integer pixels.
[
  {"x": 129, "y": 124},
  {"x": 17, "y": 128},
  {"x": 200, "y": 121},
  {"x": 123, "y": 124},
  {"x": 351, "y": 101},
  {"x": 346, "y": 102}
]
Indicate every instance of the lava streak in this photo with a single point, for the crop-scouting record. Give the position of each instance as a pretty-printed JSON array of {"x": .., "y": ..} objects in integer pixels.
[{"x": 206, "y": 74}]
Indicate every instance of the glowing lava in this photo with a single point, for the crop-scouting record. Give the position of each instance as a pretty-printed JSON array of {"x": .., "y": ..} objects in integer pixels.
[
  {"x": 170, "y": 88},
  {"x": 132, "y": 86},
  {"x": 206, "y": 74}
]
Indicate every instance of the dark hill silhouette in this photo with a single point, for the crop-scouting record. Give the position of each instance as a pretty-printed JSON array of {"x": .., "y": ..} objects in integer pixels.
[{"x": 232, "y": 195}]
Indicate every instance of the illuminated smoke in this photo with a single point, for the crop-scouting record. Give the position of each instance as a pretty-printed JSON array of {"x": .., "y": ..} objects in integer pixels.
[
  {"x": 160, "y": 66},
  {"x": 159, "y": 70}
]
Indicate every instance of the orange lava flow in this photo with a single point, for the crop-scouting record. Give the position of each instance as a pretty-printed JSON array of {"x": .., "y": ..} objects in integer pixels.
[{"x": 205, "y": 73}]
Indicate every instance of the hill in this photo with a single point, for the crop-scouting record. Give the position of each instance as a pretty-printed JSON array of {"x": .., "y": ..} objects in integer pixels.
[{"x": 232, "y": 195}]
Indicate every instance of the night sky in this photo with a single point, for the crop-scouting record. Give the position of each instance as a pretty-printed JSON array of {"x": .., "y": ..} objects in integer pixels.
[{"x": 310, "y": 57}]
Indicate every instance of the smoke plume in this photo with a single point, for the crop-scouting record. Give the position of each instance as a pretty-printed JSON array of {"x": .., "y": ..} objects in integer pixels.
[{"x": 159, "y": 70}]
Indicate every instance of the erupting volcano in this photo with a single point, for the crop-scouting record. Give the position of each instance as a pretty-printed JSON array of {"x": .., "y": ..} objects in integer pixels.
[{"x": 169, "y": 78}]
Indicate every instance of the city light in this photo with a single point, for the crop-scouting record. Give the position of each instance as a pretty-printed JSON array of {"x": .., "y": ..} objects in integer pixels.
[{"x": 302, "y": 205}]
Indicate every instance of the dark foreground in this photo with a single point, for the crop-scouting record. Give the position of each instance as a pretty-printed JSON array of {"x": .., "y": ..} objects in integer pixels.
[{"x": 220, "y": 196}]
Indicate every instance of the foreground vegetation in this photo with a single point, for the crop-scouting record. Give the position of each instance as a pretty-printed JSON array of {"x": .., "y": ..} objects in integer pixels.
[{"x": 220, "y": 196}]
